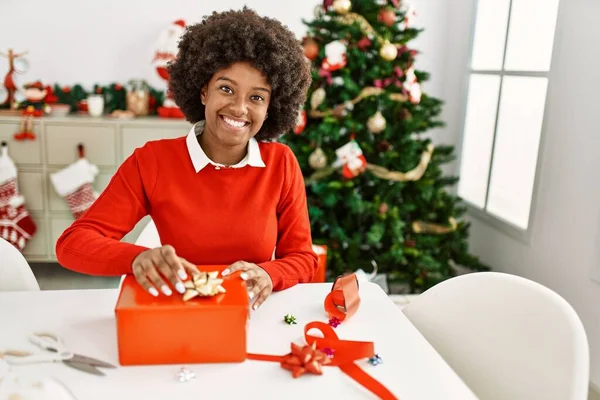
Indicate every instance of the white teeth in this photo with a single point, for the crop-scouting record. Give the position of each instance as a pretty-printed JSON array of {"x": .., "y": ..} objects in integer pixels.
[{"x": 235, "y": 124}]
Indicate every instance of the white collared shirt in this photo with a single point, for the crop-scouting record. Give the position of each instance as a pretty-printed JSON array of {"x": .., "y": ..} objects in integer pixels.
[{"x": 201, "y": 160}]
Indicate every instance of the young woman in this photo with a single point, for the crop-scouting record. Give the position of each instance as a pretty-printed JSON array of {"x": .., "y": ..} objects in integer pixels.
[{"x": 225, "y": 194}]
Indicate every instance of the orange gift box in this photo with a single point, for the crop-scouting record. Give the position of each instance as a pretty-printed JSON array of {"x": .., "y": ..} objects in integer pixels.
[
  {"x": 321, "y": 251},
  {"x": 168, "y": 330}
]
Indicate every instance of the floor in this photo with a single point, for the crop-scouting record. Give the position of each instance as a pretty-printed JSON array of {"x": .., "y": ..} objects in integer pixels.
[{"x": 52, "y": 276}]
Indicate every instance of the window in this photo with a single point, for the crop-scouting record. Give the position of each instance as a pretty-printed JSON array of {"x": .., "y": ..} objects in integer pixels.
[{"x": 508, "y": 80}]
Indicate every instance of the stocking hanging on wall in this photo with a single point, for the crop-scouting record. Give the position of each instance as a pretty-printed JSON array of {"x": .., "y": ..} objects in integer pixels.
[
  {"x": 16, "y": 225},
  {"x": 74, "y": 184}
]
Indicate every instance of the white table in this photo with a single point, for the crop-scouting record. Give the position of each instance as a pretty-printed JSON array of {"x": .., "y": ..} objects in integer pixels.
[{"x": 85, "y": 320}]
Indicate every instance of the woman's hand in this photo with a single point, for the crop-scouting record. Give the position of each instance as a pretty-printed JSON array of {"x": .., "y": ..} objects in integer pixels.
[
  {"x": 151, "y": 266},
  {"x": 257, "y": 279}
]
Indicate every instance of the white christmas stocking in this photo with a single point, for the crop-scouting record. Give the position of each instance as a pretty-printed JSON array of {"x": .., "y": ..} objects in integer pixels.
[{"x": 74, "y": 183}]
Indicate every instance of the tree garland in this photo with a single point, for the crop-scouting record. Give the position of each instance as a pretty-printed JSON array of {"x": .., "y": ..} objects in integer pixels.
[
  {"x": 413, "y": 175},
  {"x": 365, "y": 27},
  {"x": 364, "y": 93},
  {"x": 436, "y": 229}
]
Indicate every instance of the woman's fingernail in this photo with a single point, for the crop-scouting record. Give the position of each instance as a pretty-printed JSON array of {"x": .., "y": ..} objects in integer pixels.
[
  {"x": 225, "y": 272},
  {"x": 165, "y": 289},
  {"x": 244, "y": 275},
  {"x": 182, "y": 274},
  {"x": 180, "y": 288},
  {"x": 153, "y": 292},
  {"x": 251, "y": 294},
  {"x": 254, "y": 307}
]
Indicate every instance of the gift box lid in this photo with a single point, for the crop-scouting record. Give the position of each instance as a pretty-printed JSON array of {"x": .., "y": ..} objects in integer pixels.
[{"x": 133, "y": 296}]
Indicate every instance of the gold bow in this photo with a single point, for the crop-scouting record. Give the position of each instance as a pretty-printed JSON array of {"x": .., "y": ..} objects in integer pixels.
[{"x": 204, "y": 285}]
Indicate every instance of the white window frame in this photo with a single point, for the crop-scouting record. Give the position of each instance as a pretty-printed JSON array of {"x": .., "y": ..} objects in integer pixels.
[{"x": 500, "y": 224}]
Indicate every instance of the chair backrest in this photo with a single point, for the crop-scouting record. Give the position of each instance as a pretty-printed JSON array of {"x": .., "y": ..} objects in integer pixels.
[
  {"x": 15, "y": 272},
  {"x": 507, "y": 337},
  {"x": 149, "y": 236}
]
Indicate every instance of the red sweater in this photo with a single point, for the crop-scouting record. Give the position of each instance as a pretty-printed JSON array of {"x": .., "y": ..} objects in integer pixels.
[{"x": 211, "y": 217}]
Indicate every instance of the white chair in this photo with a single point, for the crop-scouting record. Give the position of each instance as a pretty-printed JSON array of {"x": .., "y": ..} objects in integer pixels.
[
  {"x": 506, "y": 336},
  {"x": 15, "y": 272}
]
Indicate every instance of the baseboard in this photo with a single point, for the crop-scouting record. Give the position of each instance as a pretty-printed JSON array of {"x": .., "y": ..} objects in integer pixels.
[{"x": 594, "y": 393}]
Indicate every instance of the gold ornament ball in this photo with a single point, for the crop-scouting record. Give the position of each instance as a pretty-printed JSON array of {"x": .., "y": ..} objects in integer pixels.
[
  {"x": 342, "y": 6},
  {"x": 388, "y": 52},
  {"x": 376, "y": 123},
  {"x": 318, "y": 159}
]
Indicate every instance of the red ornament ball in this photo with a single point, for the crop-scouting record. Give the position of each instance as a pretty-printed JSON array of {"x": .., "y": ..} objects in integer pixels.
[
  {"x": 410, "y": 243},
  {"x": 387, "y": 16},
  {"x": 364, "y": 43},
  {"x": 383, "y": 208},
  {"x": 311, "y": 49}
]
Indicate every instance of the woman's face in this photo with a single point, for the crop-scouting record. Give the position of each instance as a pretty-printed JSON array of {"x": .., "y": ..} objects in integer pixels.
[{"x": 236, "y": 101}]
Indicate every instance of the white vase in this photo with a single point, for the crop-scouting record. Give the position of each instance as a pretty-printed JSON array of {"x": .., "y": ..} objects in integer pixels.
[{"x": 95, "y": 105}]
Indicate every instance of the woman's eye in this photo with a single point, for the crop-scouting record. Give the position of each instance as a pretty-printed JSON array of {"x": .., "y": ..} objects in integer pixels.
[
  {"x": 226, "y": 89},
  {"x": 257, "y": 98}
]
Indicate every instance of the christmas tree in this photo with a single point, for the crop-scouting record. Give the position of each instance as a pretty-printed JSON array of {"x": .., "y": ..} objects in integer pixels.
[{"x": 375, "y": 187}]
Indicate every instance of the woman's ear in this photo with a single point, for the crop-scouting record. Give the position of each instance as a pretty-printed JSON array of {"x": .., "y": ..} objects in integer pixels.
[{"x": 203, "y": 95}]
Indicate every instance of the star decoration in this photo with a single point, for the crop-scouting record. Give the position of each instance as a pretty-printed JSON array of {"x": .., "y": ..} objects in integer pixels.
[
  {"x": 334, "y": 322},
  {"x": 304, "y": 359},
  {"x": 203, "y": 285},
  {"x": 375, "y": 360},
  {"x": 185, "y": 375},
  {"x": 289, "y": 319}
]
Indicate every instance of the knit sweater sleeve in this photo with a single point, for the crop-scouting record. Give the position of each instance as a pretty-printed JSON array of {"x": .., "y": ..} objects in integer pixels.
[
  {"x": 92, "y": 244},
  {"x": 295, "y": 261}
]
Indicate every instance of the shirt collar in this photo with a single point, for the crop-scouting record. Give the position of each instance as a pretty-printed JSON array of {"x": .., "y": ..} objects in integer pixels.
[{"x": 201, "y": 160}]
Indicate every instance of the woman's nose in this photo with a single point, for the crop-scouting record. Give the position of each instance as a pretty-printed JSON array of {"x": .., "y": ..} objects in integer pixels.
[{"x": 239, "y": 107}]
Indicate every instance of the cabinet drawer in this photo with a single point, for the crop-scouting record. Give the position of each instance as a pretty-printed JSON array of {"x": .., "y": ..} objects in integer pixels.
[
  {"x": 99, "y": 142},
  {"x": 58, "y": 203},
  {"x": 31, "y": 186},
  {"x": 133, "y": 138},
  {"x": 38, "y": 245},
  {"x": 22, "y": 152},
  {"x": 57, "y": 227}
]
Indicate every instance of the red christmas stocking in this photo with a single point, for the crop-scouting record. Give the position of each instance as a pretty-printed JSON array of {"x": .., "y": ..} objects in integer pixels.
[
  {"x": 16, "y": 225},
  {"x": 74, "y": 183}
]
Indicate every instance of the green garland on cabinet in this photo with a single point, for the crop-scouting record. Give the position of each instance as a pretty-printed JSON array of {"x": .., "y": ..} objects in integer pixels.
[{"x": 114, "y": 96}]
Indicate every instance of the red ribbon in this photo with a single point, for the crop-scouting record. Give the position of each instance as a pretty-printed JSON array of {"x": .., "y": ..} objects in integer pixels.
[
  {"x": 342, "y": 302},
  {"x": 345, "y": 353},
  {"x": 385, "y": 82},
  {"x": 323, "y": 73}
]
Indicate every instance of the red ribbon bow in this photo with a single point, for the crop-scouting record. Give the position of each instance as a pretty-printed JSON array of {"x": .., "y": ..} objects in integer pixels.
[{"x": 329, "y": 350}]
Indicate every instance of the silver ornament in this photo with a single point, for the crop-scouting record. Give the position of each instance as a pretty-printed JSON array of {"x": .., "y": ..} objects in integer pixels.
[
  {"x": 376, "y": 123},
  {"x": 317, "y": 98},
  {"x": 318, "y": 159}
]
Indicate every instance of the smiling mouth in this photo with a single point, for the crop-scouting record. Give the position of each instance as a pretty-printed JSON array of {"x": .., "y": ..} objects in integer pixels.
[{"x": 234, "y": 123}]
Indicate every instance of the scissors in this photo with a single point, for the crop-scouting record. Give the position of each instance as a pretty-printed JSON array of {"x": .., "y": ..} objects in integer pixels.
[{"x": 58, "y": 352}]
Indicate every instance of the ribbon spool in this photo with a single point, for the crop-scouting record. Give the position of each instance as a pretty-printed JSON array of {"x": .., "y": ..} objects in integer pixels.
[{"x": 343, "y": 300}]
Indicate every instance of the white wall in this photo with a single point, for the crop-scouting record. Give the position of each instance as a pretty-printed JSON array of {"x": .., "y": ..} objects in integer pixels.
[
  {"x": 564, "y": 247},
  {"x": 73, "y": 41}
]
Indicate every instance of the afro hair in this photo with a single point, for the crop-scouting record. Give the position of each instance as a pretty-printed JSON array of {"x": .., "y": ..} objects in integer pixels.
[{"x": 225, "y": 38}]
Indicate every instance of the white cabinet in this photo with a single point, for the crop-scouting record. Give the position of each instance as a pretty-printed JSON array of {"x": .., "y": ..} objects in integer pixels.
[{"x": 107, "y": 143}]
